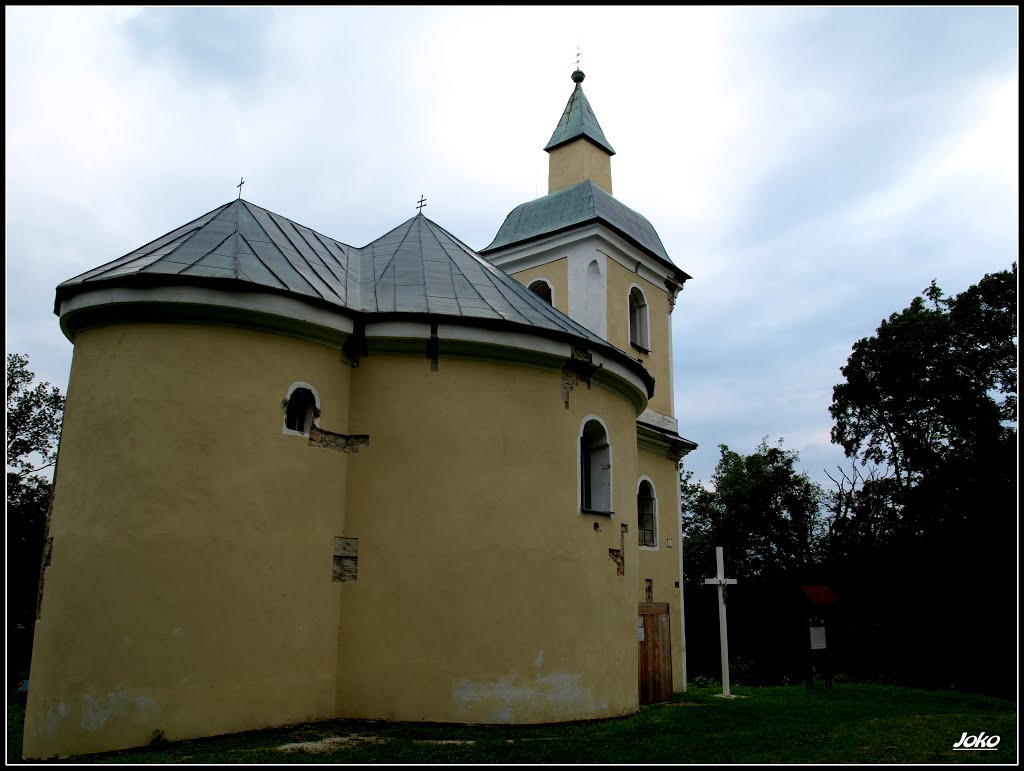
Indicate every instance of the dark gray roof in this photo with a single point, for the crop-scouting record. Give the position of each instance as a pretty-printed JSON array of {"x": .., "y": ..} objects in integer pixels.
[
  {"x": 575, "y": 205},
  {"x": 417, "y": 268},
  {"x": 578, "y": 120}
]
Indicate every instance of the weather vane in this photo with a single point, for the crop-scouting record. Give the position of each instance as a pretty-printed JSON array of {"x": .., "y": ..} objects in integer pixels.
[
  {"x": 422, "y": 202},
  {"x": 239, "y": 186}
]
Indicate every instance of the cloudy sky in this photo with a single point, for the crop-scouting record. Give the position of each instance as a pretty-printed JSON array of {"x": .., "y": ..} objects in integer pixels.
[{"x": 812, "y": 169}]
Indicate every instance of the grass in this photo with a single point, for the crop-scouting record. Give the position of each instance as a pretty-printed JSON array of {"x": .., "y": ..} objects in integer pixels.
[{"x": 851, "y": 723}]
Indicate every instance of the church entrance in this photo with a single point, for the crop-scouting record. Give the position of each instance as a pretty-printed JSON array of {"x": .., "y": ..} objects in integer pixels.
[{"x": 655, "y": 641}]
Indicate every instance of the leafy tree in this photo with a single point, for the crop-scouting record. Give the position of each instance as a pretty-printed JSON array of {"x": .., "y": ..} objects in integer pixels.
[
  {"x": 937, "y": 382},
  {"x": 765, "y": 512},
  {"x": 33, "y": 428},
  {"x": 931, "y": 397},
  {"x": 929, "y": 405}
]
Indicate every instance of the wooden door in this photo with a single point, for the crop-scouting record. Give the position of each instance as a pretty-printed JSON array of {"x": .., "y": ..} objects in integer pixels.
[{"x": 655, "y": 641}]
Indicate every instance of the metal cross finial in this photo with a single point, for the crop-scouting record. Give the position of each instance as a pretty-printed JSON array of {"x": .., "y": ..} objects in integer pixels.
[
  {"x": 421, "y": 204},
  {"x": 239, "y": 186},
  {"x": 578, "y": 55}
]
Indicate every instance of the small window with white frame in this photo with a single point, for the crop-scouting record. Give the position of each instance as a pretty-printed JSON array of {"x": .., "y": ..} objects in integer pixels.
[
  {"x": 639, "y": 323},
  {"x": 543, "y": 289},
  {"x": 301, "y": 409},
  {"x": 647, "y": 515},
  {"x": 595, "y": 468}
]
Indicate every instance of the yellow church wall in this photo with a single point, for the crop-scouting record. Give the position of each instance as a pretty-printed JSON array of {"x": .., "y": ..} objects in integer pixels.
[
  {"x": 555, "y": 272},
  {"x": 576, "y": 161},
  {"x": 174, "y": 430},
  {"x": 483, "y": 595},
  {"x": 657, "y": 361},
  {"x": 661, "y": 564}
]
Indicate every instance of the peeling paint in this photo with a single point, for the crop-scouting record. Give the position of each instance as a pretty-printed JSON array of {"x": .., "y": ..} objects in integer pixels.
[
  {"x": 97, "y": 711},
  {"x": 346, "y": 560},
  {"x": 340, "y": 442},
  {"x": 559, "y": 695},
  {"x": 577, "y": 369}
]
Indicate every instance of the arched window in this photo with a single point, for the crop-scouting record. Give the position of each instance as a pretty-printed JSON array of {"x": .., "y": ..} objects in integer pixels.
[
  {"x": 595, "y": 468},
  {"x": 301, "y": 409},
  {"x": 647, "y": 514},
  {"x": 638, "y": 322},
  {"x": 543, "y": 290}
]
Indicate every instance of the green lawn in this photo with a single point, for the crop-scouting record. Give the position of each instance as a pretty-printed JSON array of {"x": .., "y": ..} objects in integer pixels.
[{"x": 852, "y": 723}]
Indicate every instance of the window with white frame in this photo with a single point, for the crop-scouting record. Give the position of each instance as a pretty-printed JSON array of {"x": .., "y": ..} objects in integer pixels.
[
  {"x": 301, "y": 409},
  {"x": 638, "y": 321},
  {"x": 647, "y": 514},
  {"x": 595, "y": 468},
  {"x": 543, "y": 290}
]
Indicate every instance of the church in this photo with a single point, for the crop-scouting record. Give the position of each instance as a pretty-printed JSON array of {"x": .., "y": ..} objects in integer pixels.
[{"x": 300, "y": 480}]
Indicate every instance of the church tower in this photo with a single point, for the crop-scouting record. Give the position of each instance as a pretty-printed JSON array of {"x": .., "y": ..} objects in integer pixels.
[
  {"x": 591, "y": 256},
  {"x": 603, "y": 264}
]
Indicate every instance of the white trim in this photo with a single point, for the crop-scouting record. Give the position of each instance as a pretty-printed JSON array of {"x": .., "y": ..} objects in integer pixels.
[
  {"x": 522, "y": 340},
  {"x": 418, "y": 330},
  {"x": 579, "y": 466},
  {"x": 588, "y": 289},
  {"x": 655, "y": 418},
  {"x": 270, "y": 304},
  {"x": 645, "y": 313},
  {"x": 657, "y": 525},
  {"x": 671, "y": 385},
  {"x": 519, "y": 257},
  {"x": 551, "y": 287},
  {"x": 316, "y": 400}
]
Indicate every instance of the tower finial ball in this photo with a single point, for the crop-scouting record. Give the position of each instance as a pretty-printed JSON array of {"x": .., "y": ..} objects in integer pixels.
[{"x": 577, "y": 76}]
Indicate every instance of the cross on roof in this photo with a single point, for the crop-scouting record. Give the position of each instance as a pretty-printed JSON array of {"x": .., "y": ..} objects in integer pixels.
[
  {"x": 239, "y": 186},
  {"x": 421, "y": 204}
]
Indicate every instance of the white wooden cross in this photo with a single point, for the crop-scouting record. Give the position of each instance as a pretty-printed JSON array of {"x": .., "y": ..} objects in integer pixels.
[{"x": 721, "y": 581}]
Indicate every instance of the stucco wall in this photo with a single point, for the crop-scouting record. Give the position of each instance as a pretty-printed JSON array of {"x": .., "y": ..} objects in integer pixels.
[
  {"x": 483, "y": 594},
  {"x": 190, "y": 587},
  {"x": 661, "y": 564},
  {"x": 556, "y": 273},
  {"x": 576, "y": 161},
  {"x": 658, "y": 361}
]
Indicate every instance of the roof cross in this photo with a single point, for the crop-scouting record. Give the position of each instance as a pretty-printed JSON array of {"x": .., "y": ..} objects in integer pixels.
[
  {"x": 422, "y": 202},
  {"x": 239, "y": 186},
  {"x": 578, "y": 55}
]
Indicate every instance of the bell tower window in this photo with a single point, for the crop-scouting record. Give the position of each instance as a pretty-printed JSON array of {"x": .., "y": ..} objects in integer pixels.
[
  {"x": 639, "y": 323},
  {"x": 543, "y": 290}
]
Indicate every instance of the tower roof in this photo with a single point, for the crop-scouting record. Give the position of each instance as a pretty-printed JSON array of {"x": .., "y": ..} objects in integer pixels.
[
  {"x": 416, "y": 268},
  {"x": 581, "y": 203},
  {"x": 578, "y": 120}
]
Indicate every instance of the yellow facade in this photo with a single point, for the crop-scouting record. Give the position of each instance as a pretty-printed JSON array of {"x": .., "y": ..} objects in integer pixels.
[
  {"x": 556, "y": 273},
  {"x": 190, "y": 591},
  {"x": 661, "y": 564},
  {"x": 576, "y": 161},
  {"x": 658, "y": 361}
]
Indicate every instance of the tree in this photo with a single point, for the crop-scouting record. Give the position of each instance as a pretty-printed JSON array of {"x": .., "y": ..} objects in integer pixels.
[
  {"x": 34, "y": 416},
  {"x": 761, "y": 508},
  {"x": 929, "y": 402},
  {"x": 931, "y": 397}
]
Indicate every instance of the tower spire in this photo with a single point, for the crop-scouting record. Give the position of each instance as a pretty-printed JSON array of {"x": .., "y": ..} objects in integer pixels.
[{"x": 578, "y": 148}]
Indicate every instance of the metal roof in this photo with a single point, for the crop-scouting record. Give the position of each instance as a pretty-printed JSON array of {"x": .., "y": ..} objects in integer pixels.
[
  {"x": 578, "y": 120},
  {"x": 417, "y": 268},
  {"x": 575, "y": 205}
]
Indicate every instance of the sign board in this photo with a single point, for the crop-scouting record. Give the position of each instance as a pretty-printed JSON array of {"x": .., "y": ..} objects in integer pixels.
[
  {"x": 817, "y": 638},
  {"x": 640, "y": 628}
]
